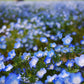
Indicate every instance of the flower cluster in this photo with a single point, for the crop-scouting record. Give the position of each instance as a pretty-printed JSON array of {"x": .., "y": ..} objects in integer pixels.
[{"x": 42, "y": 44}]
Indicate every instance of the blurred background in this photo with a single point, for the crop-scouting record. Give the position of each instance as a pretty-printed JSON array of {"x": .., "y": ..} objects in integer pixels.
[{"x": 41, "y": 0}]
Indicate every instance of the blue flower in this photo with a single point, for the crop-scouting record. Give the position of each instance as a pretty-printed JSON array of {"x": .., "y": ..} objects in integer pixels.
[
  {"x": 69, "y": 63},
  {"x": 38, "y": 82},
  {"x": 45, "y": 53},
  {"x": 3, "y": 46},
  {"x": 52, "y": 45},
  {"x": 58, "y": 49},
  {"x": 73, "y": 33},
  {"x": 58, "y": 63},
  {"x": 2, "y": 38},
  {"x": 2, "y": 80},
  {"x": 17, "y": 45},
  {"x": 39, "y": 54},
  {"x": 1, "y": 57},
  {"x": 11, "y": 55},
  {"x": 35, "y": 48},
  {"x": 33, "y": 61},
  {"x": 64, "y": 74},
  {"x": 2, "y": 66},
  {"x": 50, "y": 78},
  {"x": 67, "y": 80},
  {"x": 47, "y": 60},
  {"x": 41, "y": 72},
  {"x": 43, "y": 39},
  {"x": 25, "y": 56},
  {"x": 76, "y": 78},
  {"x": 71, "y": 48},
  {"x": 67, "y": 40},
  {"x": 52, "y": 37},
  {"x": 58, "y": 25},
  {"x": 82, "y": 42},
  {"x": 58, "y": 81},
  {"x": 58, "y": 69},
  {"x": 59, "y": 34},
  {"x": 80, "y": 60},
  {"x": 50, "y": 67},
  {"x": 8, "y": 67},
  {"x": 12, "y": 79},
  {"x": 51, "y": 53},
  {"x": 65, "y": 50},
  {"x": 24, "y": 40}
]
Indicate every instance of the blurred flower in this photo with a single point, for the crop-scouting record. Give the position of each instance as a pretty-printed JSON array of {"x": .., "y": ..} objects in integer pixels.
[
  {"x": 2, "y": 66},
  {"x": 26, "y": 56},
  {"x": 67, "y": 40},
  {"x": 76, "y": 78},
  {"x": 33, "y": 61},
  {"x": 8, "y": 67},
  {"x": 11, "y": 55},
  {"x": 43, "y": 39},
  {"x": 80, "y": 60},
  {"x": 12, "y": 79},
  {"x": 41, "y": 72},
  {"x": 17, "y": 45}
]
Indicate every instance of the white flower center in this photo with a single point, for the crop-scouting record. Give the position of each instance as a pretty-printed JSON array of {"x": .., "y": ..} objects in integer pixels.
[
  {"x": 76, "y": 80},
  {"x": 67, "y": 40}
]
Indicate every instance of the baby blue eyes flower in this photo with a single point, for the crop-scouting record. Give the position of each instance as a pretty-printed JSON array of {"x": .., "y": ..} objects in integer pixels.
[
  {"x": 80, "y": 60},
  {"x": 51, "y": 53},
  {"x": 1, "y": 57},
  {"x": 64, "y": 74},
  {"x": 67, "y": 40},
  {"x": 25, "y": 56},
  {"x": 76, "y": 78},
  {"x": 2, "y": 80},
  {"x": 35, "y": 48},
  {"x": 50, "y": 78},
  {"x": 38, "y": 82},
  {"x": 2, "y": 66},
  {"x": 52, "y": 37},
  {"x": 58, "y": 63},
  {"x": 33, "y": 61},
  {"x": 41, "y": 72},
  {"x": 53, "y": 45},
  {"x": 58, "y": 25},
  {"x": 47, "y": 60},
  {"x": 58, "y": 69},
  {"x": 58, "y": 81},
  {"x": 65, "y": 50},
  {"x": 43, "y": 39},
  {"x": 12, "y": 79},
  {"x": 67, "y": 80},
  {"x": 24, "y": 40},
  {"x": 39, "y": 54},
  {"x": 73, "y": 33},
  {"x": 2, "y": 38},
  {"x": 71, "y": 48},
  {"x": 58, "y": 49},
  {"x": 11, "y": 55},
  {"x": 8, "y": 67},
  {"x": 69, "y": 63},
  {"x": 59, "y": 34},
  {"x": 50, "y": 67},
  {"x": 17, "y": 45},
  {"x": 3, "y": 46},
  {"x": 82, "y": 42}
]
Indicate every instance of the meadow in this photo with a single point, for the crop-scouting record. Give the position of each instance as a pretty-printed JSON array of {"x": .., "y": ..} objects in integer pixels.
[{"x": 42, "y": 43}]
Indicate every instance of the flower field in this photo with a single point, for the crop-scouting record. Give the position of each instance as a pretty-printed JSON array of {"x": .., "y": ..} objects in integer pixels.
[{"x": 42, "y": 43}]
